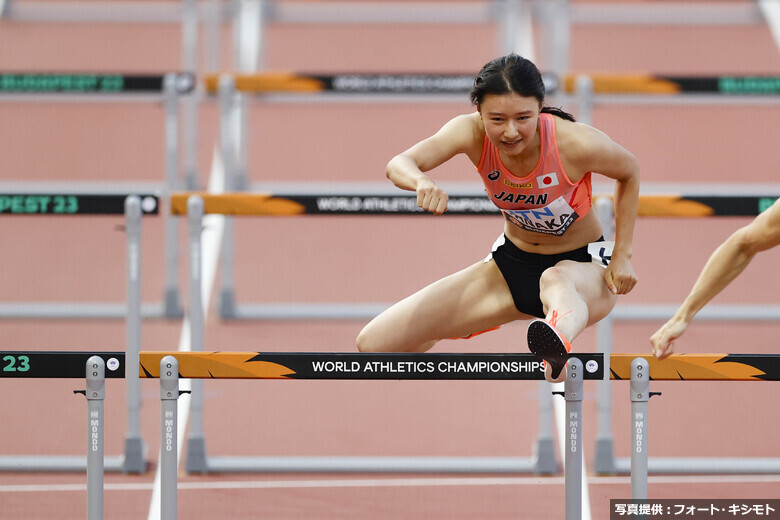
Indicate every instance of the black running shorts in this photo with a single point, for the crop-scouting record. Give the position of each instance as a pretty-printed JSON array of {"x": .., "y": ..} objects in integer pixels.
[{"x": 522, "y": 272}]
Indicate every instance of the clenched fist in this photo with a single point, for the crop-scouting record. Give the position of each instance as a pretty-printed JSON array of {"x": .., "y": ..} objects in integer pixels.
[{"x": 431, "y": 198}]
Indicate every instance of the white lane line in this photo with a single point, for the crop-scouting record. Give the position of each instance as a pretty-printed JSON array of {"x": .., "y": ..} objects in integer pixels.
[
  {"x": 399, "y": 482},
  {"x": 213, "y": 227}
]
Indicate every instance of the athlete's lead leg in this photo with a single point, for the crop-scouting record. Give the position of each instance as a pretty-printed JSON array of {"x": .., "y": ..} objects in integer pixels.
[
  {"x": 469, "y": 301},
  {"x": 574, "y": 296}
]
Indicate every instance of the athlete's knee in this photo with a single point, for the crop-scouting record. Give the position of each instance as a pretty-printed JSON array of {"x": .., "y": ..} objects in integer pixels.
[
  {"x": 374, "y": 339},
  {"x": 367, "y": 341},
  {"x": 554, "y": 278}
]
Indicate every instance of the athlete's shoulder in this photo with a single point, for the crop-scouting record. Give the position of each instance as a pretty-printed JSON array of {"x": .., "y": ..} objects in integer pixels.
[
  {"x": 465, "y": 132},
  {"x": 580, "y": 141},
  {"x": 467, "y": 123}
]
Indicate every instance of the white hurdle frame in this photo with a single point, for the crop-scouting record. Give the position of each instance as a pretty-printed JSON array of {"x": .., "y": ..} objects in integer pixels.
[
  {"x": 169, "y": 393},
  {"x": 173, "y": 92},
  {"x": 605, "y": 460},
  {"x": 543, "y": 461},
  {"x": 134, "y": 458}
]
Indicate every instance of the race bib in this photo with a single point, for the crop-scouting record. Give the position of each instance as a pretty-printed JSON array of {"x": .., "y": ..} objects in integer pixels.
[
  {"x": 601, "y": 252},
  {"x": 553, "y": 219}
]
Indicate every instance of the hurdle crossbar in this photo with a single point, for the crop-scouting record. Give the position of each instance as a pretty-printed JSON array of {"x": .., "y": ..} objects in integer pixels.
[
  {"x": 455, "y": 83},
  {"x": 476, "y": 203},
  {"x": 388, "y": 366},
  {"x": 12, "y": 83}
]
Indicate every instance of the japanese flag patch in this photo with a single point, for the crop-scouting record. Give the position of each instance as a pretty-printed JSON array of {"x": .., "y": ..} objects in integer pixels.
[{"x": 547, "y": 181}]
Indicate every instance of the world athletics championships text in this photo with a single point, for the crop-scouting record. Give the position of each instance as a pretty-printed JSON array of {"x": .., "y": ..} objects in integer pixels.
[
  {"x": 403, "y": 83},
  {"x": 400, "y": 204},
  {"x": 427, "y": 367}
]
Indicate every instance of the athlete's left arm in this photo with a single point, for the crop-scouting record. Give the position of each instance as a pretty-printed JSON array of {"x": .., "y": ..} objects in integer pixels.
[{"x": 596, "y": 152}]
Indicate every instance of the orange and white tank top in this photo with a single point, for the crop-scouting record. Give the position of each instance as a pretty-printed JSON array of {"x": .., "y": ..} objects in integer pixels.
[{"x": 544, "y": 201}]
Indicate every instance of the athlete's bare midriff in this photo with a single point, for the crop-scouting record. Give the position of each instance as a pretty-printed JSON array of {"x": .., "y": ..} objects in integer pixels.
[{"x": 582, "y": 232}]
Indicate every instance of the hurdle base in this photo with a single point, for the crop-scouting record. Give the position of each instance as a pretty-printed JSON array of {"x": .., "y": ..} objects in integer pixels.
[
  {"x": 604, "y": 462},
  {"x": 305, "y": 311},
  {"x": 56, "y": 463},
  {"x": 546, "y": 463},
  {"x": 371, "y": 465},
  {"x": 171, "y": 307},
  {"x": 90, "y": 311},
  {"x": 705, "y": 465},
  {"x": 227, "y": 305},
  {"x": 196, "y": 455},
  {"x": 134, "y": 460}
]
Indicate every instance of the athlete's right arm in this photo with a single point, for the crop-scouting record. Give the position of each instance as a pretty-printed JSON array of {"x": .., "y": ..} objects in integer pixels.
[
  {"x": 407, "y": 170},
  {"x": 723, "y": 266}
]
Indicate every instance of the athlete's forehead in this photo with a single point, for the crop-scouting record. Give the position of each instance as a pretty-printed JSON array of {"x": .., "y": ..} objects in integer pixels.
[{"x": 509, "y": 104}]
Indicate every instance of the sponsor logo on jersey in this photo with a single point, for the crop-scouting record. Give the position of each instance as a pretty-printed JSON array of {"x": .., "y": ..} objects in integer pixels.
[
  {"x": 526, "y": 185},
  {"x": 494, "y": 175}
]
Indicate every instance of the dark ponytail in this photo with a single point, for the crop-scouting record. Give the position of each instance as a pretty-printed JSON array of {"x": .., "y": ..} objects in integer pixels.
[
  {"x": 556, "y": 111},
  {"x": 512, "y": 73}
]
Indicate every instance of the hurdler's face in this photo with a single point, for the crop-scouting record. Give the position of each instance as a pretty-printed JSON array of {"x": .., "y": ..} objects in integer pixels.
[{"x": 510, "y": 121}]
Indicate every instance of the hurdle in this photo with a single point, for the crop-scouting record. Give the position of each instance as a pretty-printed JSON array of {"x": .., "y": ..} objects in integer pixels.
[
  {"x": 583, "y": 90},
  {"x": 586, "y": 90},
  {"x": 671, "y": 200},
  {"x": 169, "y": 90},
  {"x": 55, "y": 200},
  {"x": 639, "y": 370},
  {"x": 467, "y": 199},
  {"x": 134, "y": 207},
  {"x": 90, "y": 366},
  {"x": 170, "y": 366},
  {"x": 591, "y": 91},
  {"x": 195, "y": 206},
  {"x": 716, "y": 201}
]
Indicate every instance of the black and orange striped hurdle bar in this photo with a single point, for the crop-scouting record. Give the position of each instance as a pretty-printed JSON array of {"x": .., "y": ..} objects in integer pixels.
[
  {"x": 427, "y": 84},
  {"x": 400, "y": 203},
  {"x": 170, "y": 366}
]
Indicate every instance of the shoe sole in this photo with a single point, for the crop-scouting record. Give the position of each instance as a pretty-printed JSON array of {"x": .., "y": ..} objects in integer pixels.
[{"x": 544, "y": 342}]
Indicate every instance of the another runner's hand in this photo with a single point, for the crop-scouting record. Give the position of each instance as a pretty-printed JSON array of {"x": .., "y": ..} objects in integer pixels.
[
  {"x": 431, "y": 198},
  {"x": 620, "y": 276},
  {"x": 663, "y": 339}
]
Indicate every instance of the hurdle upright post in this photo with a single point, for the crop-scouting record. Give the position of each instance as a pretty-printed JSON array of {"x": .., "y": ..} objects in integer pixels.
[
  {"x": 573, "y": 388},
  {"x": 171, "y": 97},
  {"x": 95, "y": 394},
  {"x": 604, "y": 462},
  {"x": 169, "y": 460},
  {"x": 189, "y": 60},
  {"x": 583, "y": 92},
  {"x": 229, "y": 136},
  {"x": 134, "y": 460},
  {"x": 196, "y": 442},
  {"x": 640, "y": 395}
]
